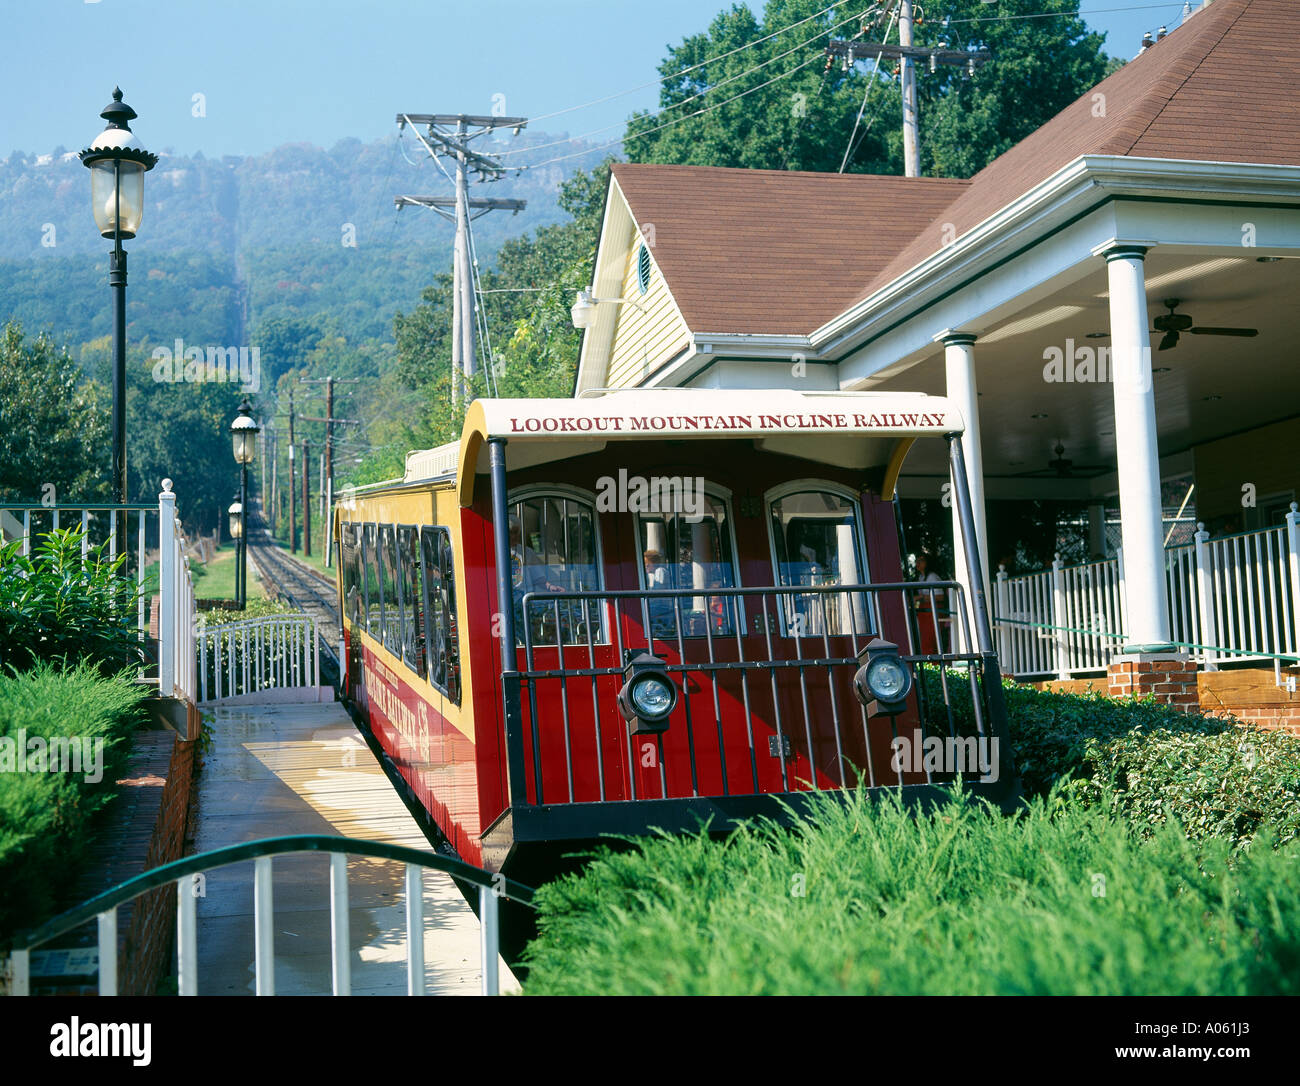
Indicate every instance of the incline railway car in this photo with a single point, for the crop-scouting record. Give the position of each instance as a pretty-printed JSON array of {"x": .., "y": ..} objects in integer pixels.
[{"x": 648, "y": 608}]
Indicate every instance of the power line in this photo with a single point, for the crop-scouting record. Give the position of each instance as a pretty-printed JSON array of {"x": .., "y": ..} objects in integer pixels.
[
  {"x": 703, "y": 63},
  {"x": 851, "y": 146},
  {"x": 667, "y": 124},
  {"x": 699, "y": 94}
]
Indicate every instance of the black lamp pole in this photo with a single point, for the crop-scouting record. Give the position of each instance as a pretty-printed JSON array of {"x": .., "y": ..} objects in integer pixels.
[
  {"x": 244, "y": 433},
  {"x": 118, "y": 166}
]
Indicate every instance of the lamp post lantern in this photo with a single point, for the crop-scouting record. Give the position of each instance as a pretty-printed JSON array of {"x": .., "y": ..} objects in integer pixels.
[
  {"x": 243, "y": 436},
  {"x": 117, "y": 167}
]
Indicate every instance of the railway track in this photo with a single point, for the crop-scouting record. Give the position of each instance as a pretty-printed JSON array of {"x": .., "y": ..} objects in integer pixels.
[{"x": 310, "y": 592}]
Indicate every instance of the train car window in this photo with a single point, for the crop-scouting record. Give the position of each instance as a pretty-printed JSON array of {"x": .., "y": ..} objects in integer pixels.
[
  {"x": 353, "y": 595},
  {"x": 370, "y": 574},
  {"x": 392, "y": 620},
  {"x": 679, "y": 550},
  {"x": 408, "y": 558},
  {"x": 553, "y": 548},
  {"x": 817, "y": 541},
  {"x": 452, "y": 637},
  {"x": 439, "y": 588}
]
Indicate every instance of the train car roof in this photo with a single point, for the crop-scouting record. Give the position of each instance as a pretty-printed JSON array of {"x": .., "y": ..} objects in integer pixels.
[{"x": 845, "y": 429}]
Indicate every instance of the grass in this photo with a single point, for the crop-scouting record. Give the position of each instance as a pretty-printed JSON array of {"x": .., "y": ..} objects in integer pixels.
[
  {"x": 214, "y": 580},
  {"x": 872, "y": 899}
]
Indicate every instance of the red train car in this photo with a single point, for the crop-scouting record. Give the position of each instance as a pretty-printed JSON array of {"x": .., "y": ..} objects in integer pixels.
[{"x": 650, "y": 608}]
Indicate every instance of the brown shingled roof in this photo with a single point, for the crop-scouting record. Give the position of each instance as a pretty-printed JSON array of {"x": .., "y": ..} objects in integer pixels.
[
  {"x": 769, "y": 251},
  {"x": 774, "y": 251},
  {"x": 1220, "y": 88}
]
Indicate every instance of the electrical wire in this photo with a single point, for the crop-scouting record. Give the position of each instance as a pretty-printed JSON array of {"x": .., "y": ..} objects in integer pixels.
[
  {"x": 850, "y": 147},
  {"x": 678, "y": 74},
  {"x": 699, "y": 94},
  {"x": 666, "y": 124}
]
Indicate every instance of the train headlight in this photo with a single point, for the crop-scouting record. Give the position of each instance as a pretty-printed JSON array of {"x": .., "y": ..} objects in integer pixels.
[
  {"x": 649, "y": 694},
  {"x": 883, "y": 681}
]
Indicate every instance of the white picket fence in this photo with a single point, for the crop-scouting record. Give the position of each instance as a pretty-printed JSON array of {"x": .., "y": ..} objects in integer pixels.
[
  {"x": 1234, "y": 598},
  {"x": 255, "y": 656}
]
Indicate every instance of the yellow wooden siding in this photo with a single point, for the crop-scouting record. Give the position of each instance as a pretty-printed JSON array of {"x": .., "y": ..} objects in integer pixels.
[{"x": 645, "y": 336}]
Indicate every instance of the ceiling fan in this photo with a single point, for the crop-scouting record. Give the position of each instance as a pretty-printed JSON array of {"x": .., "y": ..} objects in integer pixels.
[
  {"x": 1173, "y": 325},
  {"x": 1064, "y": 469}
]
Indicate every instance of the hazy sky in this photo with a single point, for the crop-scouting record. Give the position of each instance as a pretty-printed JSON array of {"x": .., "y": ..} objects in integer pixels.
[{"x": 280, "y": 71}]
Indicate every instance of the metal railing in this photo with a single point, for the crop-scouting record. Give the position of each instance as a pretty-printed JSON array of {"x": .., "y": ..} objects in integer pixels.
[
  {"x": 1233, "y": 598},
  {"x": 177, "y": 671},
  {"x": 99, "y": 524},
  {"x": 765, "y": 675},
  {"x": 181, "y": 874},
  {"x": 257, "y": 654}
]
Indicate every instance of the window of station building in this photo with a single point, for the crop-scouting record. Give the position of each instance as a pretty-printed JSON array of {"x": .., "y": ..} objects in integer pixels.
[
  {"x": 554, "y": 548},
  {"x": 817, "y": 542},
  {"x": 392, "y": 617},
  {"x": 439, "y": 599},
  {"x": 371, "y": 586},
  {"x": 689, "y": 548},
  {"x": 412, "y": 625}
]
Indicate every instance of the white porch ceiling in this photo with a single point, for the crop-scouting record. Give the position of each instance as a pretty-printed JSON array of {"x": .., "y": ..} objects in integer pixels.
[{"x": 1214, "y": 386}]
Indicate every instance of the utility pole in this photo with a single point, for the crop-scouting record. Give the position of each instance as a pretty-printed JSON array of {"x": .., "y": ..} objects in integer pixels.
[
  {"x": 293, "y": 518},
  {"x": 327, "y": 475},
  {"x": 455, "y": 142},
  {"x": 911, "y": 132},
  {"x": 274, "y": 511},
  {"x": 306, "y": 498},
  {"x": 907, "y": 54}
]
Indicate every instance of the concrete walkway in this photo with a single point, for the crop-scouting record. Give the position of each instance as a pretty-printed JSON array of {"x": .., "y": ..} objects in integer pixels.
[{"x": 284, "y": 769}]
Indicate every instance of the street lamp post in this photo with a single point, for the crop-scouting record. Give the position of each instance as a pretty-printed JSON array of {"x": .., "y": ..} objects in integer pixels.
[
  {"x": 236, "y": 514},
  {"x": 243, "y": 434},
  {"x": 117, "y": 167}
]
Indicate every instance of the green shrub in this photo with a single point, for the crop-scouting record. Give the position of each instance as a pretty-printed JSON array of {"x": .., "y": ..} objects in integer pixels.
[
  {"x": 256, "y": 608},
  {"x": 1216, "y": 777},
  {"x": 57, "y": 605},
  {"x": 872, "y": 899},
  {"x": 45, "y": 816},
  {"x": 1229, "y": 784}
]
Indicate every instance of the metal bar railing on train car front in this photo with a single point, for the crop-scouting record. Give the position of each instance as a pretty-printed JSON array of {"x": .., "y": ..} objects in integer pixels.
[{"x": 780, "y": 616}]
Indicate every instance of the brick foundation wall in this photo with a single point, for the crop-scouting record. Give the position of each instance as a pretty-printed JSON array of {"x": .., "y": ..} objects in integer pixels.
[
  {"x": 1170, "y": 678},
  {"x": 146, "y": 948},
  {"x": 145, "y": 828}
]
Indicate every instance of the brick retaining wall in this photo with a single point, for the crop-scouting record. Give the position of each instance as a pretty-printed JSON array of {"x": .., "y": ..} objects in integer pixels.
[{"x": 144, "y": 828}]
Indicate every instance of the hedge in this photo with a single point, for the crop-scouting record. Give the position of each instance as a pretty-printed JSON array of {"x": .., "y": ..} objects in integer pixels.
[
  {"x": 1216, "y": 777},
  {"x": 46, "y": 817}
]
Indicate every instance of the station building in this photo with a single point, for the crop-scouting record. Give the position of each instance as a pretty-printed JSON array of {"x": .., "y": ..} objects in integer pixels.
[{"x": 1033, "y": 295}]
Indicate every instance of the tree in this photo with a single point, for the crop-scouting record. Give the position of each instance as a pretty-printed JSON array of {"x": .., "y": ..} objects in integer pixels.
[
  {"x": 793, "y": 113},
  {"x": 55, "y": 429}
]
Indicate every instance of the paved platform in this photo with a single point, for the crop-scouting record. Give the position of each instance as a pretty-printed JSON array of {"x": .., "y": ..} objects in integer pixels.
[{"x": 284, "y": 769}]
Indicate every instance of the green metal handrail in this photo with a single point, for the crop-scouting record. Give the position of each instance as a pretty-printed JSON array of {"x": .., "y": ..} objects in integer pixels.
[{"x": 104, "y": 905}]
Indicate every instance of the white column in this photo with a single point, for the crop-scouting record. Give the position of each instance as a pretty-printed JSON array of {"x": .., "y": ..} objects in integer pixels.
[
  {"x": 959, "y": 364},
  {"x": 1136, "y": 453}
]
